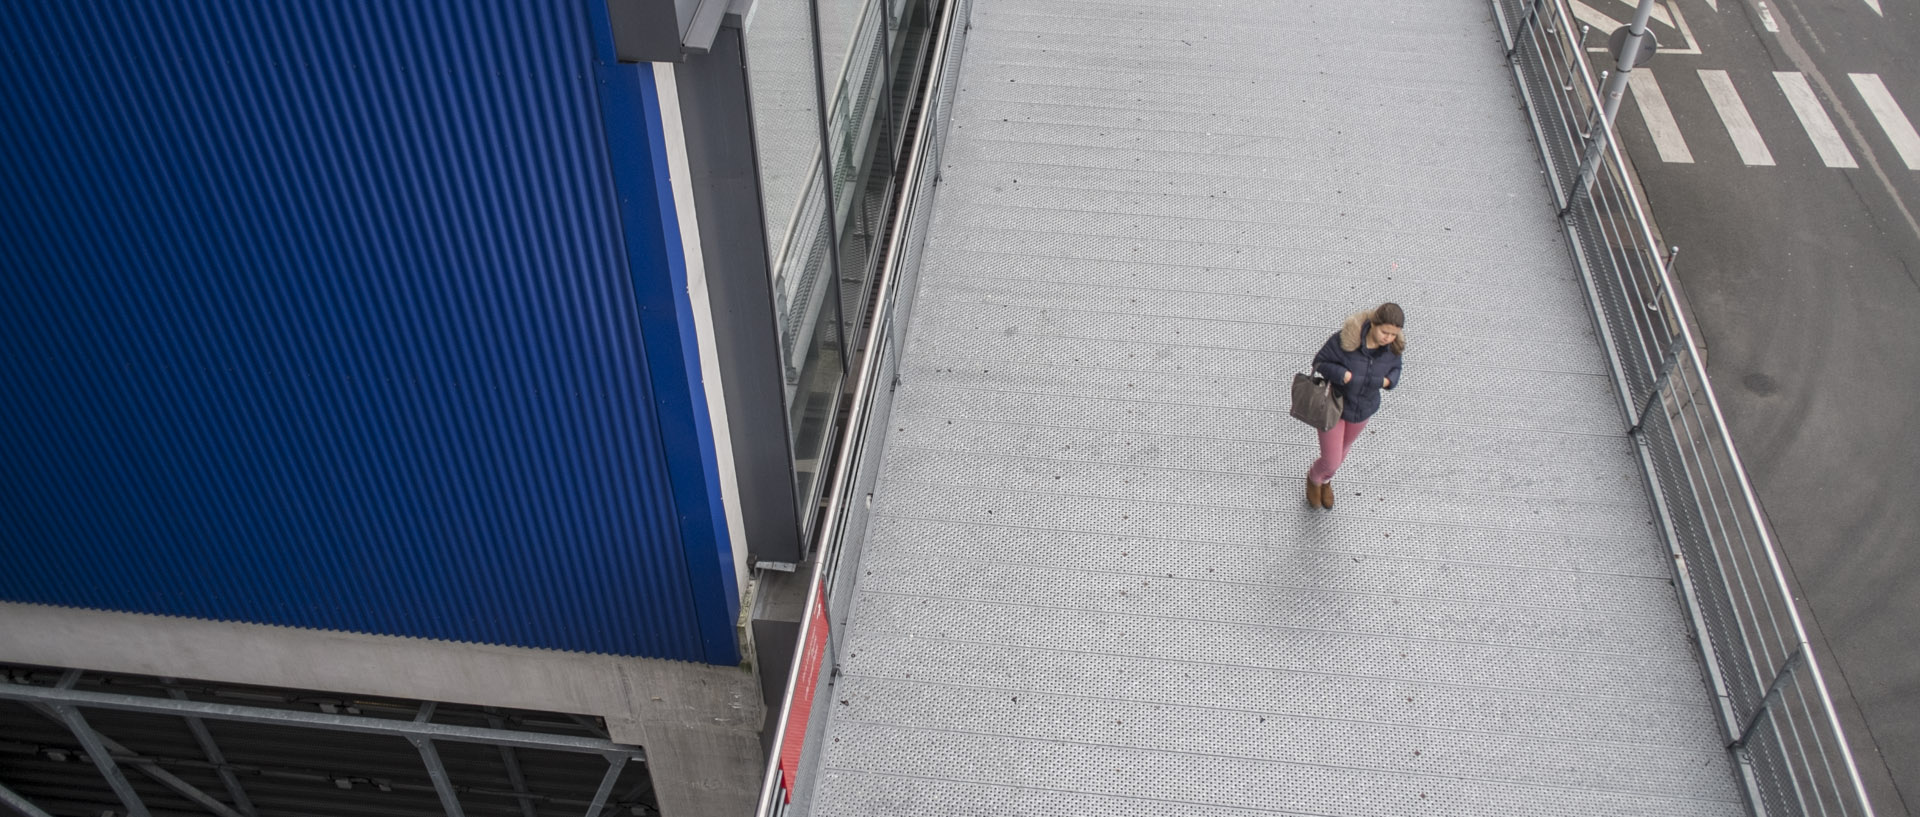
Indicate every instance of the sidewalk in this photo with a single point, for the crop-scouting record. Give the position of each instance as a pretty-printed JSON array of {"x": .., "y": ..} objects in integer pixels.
[{"x": 1092, "y": 585}]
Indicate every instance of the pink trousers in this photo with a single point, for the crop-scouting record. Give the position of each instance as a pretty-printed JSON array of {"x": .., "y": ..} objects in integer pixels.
[{"x": 1334, "y": 445}]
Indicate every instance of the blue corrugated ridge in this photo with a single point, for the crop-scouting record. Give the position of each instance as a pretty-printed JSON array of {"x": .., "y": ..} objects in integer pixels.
[
  {"x": 318, "y": 314},
  {"x": 636, "y": 135}
]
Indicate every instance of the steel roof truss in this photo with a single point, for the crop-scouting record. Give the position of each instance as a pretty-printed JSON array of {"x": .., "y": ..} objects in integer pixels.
[
  {"x": 60, "y": 697},
  {"x": 508, "y": 759},
  {"x": 13, "y": 800},
  {"x": 102, "y": 760},
  {"x": 614, "y": 766},
  {"x": 441, "y": 784},
  {"x": 241, "y": 802},
  {"x": 120, "y": 753}
]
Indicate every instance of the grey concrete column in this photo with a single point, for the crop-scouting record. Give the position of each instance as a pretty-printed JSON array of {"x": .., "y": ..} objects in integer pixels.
[{"x": 703, "y": 771}]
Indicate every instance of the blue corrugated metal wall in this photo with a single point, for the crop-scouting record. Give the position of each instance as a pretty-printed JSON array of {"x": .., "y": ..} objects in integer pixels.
[{"x": 320, "y": 314}]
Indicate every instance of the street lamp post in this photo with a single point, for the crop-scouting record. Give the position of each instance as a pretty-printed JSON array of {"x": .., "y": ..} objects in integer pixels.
[{"x": 1631, "y": 45}]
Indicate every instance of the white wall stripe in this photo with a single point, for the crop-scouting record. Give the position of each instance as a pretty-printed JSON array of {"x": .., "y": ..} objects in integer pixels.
[
  {"x": 1733, "y": 114},
  {"x": 1892, "y": 120},
  {"x": 681, "y": 178},
  {"x": 1813, "y": 117},
  {"x": 1659, "y": 118}
]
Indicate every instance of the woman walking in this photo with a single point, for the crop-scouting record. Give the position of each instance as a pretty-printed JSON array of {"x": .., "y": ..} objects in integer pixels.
[{"x": 1361, "y": 360}]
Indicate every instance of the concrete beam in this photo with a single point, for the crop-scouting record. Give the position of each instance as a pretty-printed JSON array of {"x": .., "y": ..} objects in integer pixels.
[{"x": 699, "y": 724}]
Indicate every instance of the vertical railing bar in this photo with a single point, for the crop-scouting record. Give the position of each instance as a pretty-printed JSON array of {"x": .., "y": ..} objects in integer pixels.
[
  {"x": 1779, "y": 720},
  {"x": 1739, "y": 596},
  {"x": 1820, "y": 685},
  {"x": 1589, "y": 160},
  {"x": 1629, "y": 290},
  {"x": 1768, "y": 702},
  {"x": 1620, "y": 195},
  {"x": 1693, "y": 406},
  {"x": 1729, "y": 490},
  {"x": 1660, "y": 381},
  {"x": 1807, "y": 759},
  {"x": 1541, "y": 131},
  {"x": 1585, "y": 269},
  {"x": 1575, "y": 49},
  {"x": 1632, "y": 260},
  {"x": 1689, "y": 594},
  {"x": 1820, "y": 744},
  {"x": 1533, "y": 10},
  {"x": 1683, "y": 435},
  {"x": 1644, "y": 280},
  {"x": 1783, "y": 724},
  {"x": 1711, "y": 519},
  {"x": 1801, "y": 764}
]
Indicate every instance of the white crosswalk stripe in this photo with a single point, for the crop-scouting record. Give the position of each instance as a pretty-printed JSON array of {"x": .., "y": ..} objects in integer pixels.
[
  {"x": 1733, "y": 113},
  {"x": 1813, "y": 117},
  {"x": 1659, "y": 118},
  {"x": 1898, "y": 128}
]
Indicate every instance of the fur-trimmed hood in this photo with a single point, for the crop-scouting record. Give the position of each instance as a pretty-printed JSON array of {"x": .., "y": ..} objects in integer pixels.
[
  {"x": 1350, "y": 330},
  {"x": 1359, "y": 373}
]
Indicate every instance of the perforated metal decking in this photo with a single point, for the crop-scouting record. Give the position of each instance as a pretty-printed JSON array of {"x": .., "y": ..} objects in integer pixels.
[{"x": 1092, "y": 585}]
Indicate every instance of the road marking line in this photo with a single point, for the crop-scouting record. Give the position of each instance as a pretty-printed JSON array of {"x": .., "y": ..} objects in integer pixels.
[
  {"x": 1766, "y": 19},
  {"x": 1876, "y": 7},
  {"x": 1813, "y": 117},
  {"x": 1659, "y": 118},
  {"x": 1895, "y": 123},
  {"x": 1659, "y": 12},
  {"x": 1670, "y": 17},
  {"x": 1733, "y": 114},
  {"x": 1593, "y": 17}
]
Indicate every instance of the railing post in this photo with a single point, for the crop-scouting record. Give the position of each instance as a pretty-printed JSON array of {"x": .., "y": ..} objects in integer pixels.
[
  {"x": 1562, "y": 118},
  {"x": 1533, "y": 10},
  {"x": 1667, "y": 365},
  {"x": 1590, "y": 164},
  {"x": 1767, "y": 703}
]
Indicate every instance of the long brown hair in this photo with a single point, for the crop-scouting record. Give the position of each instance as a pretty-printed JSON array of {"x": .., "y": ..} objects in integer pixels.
[{"x": 1390, "y": 314}]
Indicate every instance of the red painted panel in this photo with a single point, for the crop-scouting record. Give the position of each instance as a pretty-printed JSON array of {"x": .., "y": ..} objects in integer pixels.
[{"x": 811, "y": 655}]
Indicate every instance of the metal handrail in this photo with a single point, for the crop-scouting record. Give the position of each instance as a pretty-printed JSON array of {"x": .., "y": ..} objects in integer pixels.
[
  {"x": 1679, "y": 385},
  {"x": 827, "y": 537}
]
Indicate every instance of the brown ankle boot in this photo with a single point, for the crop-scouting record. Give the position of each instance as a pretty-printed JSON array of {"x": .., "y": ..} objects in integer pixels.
[
  {"x": 1326, "y": 495},
  {"x": 1313, "y": 494}
]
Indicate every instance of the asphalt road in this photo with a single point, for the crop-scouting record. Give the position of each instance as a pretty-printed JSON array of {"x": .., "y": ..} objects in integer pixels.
[{"x": 1804, "y": 278}]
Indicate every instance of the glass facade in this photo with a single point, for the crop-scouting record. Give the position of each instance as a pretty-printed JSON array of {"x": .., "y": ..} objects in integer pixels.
[{"x": 826, "y": 175}]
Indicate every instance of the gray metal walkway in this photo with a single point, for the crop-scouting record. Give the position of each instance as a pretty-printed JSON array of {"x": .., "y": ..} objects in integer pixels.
[{"x": 1091, "y": 583}]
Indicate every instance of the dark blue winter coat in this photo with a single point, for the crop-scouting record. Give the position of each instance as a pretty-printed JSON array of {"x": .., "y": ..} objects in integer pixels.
[{"x": 1370, "y": 368}]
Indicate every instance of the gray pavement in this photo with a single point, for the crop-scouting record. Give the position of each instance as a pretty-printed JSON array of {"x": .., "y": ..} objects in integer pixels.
[
  {"x": 1091, "y": 584},
  {"x": 1802, "y": 277}
]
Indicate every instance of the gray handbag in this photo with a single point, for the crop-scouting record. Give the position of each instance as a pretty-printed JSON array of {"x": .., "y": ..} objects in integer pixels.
[{"x": 1315, "y": 402}]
